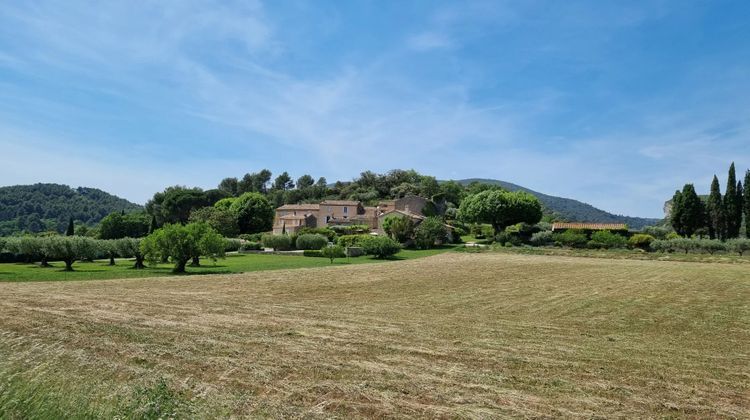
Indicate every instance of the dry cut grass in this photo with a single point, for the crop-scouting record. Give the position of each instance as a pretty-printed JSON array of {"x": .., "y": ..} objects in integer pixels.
[{"x": 454, "y": 335}]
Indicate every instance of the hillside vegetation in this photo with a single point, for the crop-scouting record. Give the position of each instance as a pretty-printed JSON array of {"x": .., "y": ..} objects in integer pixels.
[
  {"x": 569, "y": 209},
  {"x": 41, "y": 207},
  {"x": 450, "y": 336}
]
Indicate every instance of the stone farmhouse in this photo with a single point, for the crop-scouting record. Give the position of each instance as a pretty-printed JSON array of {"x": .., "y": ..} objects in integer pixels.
[{"x": 290, "y": 218}]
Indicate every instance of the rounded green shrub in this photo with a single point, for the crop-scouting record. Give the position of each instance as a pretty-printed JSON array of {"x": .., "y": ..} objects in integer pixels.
[
  {"x": 571, "y": 238},
  {"x": 605, "y": 239},
  {"x": 277, "y": 242},
  {"x": 640, "y": 241},
  {"x": 311, "y": 241},
  {"x": 380, "y": 246}
]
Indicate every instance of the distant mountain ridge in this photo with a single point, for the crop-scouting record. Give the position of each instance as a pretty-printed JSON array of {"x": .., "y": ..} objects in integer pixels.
[
  {"x": 570, "y": 209},
  {"x": 41, "y": 207}
]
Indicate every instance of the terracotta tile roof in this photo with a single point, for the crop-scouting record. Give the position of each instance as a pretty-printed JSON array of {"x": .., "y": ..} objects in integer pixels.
[
  {"x": 590, "y": 226},
  {"x": 299, "y": 207},
  {"x": 340, "y": 203}
]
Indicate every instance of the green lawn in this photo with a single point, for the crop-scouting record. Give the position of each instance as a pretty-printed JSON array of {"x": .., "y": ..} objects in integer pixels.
[{"x": 234, "y": 263}]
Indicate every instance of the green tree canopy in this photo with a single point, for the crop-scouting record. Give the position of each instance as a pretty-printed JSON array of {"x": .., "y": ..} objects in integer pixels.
[
  {"x": 283, "y": 182},
  {"x": 501, "y": 208},
  {"x": 305, "y": 181},
  {"x": 746, "y": 203},
  {"x": 182, "y": 243},
  {"x": 222, "y": 220},
  {"x": 116, "y": 225},
  {"x": 430, "y": 232},
  {"x": 254, "y": 213},
  {"x": 732, "y": 205},
  {"x": 715, "y": 212},
  {"x": 691, "y": 212},
  {"x": 70, "y": 249},
  {"x": 398, "y": 227}
]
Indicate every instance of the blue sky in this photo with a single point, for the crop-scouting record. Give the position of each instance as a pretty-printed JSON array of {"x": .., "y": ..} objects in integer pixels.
[{"x": 613, "y": 103}]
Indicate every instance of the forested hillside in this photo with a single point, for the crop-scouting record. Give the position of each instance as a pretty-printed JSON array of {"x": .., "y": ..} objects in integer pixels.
[
  {"x": 569, "y": 209},
  {"x": 41, "y": 207}
]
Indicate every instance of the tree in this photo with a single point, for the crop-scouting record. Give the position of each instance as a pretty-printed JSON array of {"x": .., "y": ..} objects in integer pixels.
[
  {"x": 32, "y": 247},
  {"x": 430, "y": 232},
  {"x": 221, "y": 219},
  {"x": 332, "y": 252},
  {"x": 174, "y": 204},
  {"x": 305, "y": 181},
  {"x": 453, "y": 192},
  {"x": 675, "y": 216},
  {"x": 116, "y": 225},
  {"x": 71, "y": 248},
  {"x": 283, "y": 182},
  {"x": 109, "y": 246},
  {"x": 746, "y": 203},
  {"x": 715, "y": 212},
  {"x": 732, "y": 206},
  {"x": 153, "y": 225},
  {"x": 182, "y": 243},
  {"x": 691, "y": 211},
  {"x": 71, "y": 228},
  {"x": 229, "y": 185},
  {"x": 380, "y": 246},
  {"x": 501, "y": 208},
  {"x": 400, "y": 228},
  {"x": 254, "y": 213},
  {"x": 131, "y": 248}
]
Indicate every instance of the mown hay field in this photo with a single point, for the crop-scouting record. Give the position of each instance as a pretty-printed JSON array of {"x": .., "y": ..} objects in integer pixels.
[{"x": 452, "y": 335}]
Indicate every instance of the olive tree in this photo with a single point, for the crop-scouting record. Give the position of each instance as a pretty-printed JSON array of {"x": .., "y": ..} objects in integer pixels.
[
  {"x": 131, "y": 248},
  {"x": 500, "y": 208},
  {"x": 182, "y": 243},
  {"x": 69, "y": 249},
  {"x": 34, "y": 248},
  {"x": 739, "y": 246}
]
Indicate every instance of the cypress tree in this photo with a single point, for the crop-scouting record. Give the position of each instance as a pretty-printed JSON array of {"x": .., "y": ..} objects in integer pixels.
[
  {"x": 746, "y": 202},
  {"x": 732, "y": 208},
  {"x": 715, "y": 212},
  {"x": 675, "y": 216},
  {"x": 740, "y": 206},
  {"x": 692, "y": 215},
  {"x": 71, "y": 228}
]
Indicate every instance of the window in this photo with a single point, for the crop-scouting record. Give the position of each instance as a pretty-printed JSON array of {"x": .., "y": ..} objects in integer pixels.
[{"x": 346, "y": 210}]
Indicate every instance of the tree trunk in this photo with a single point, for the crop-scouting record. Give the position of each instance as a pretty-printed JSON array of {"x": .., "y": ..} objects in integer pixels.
[
  {"x": 68, "y": 265},
  {"x": 139, "y": 262},
  {"x": 179, "y": 266},
  {"x": 196, "y": 262},
  {"x": 111, "y": 260},
  {"x": 43, "y": 262}
]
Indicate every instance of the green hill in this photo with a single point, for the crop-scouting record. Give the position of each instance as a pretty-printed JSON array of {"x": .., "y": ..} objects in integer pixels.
[
  {"x": 569, "y": 209},
  {"x": 41, "y": 207}
]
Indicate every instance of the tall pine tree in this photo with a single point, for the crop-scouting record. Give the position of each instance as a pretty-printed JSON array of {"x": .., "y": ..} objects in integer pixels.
[
  {"x": 732, "y": 208},
  {"x": 715, "y": 212},
  {"x": 746, "y": 202},
  {"x": 692, "y": 214},
  {"x": 71, "y": 228}
]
